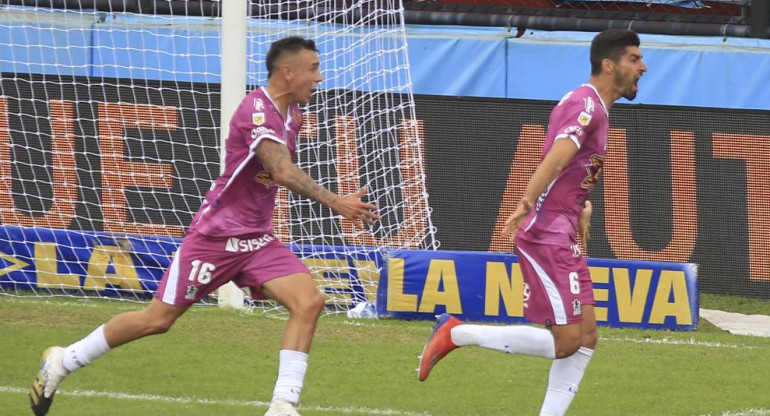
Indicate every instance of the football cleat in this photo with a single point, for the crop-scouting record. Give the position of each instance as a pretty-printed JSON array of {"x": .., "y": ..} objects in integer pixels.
[
  {"x": 47, "y": 380},
  {"x": 280, "y": 407},
  {"x": 438, "y": 346}
]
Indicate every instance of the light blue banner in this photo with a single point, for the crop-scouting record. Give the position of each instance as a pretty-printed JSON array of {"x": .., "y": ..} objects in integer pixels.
[
  {"x": 489, "y": 287},
  {"x": 445, "y": 60}
]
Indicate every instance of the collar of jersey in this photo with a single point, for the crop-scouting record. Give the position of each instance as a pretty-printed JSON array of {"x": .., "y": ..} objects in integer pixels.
[
  {"x": 597, "y": 94},
  {"x": 287, "y": 122}
]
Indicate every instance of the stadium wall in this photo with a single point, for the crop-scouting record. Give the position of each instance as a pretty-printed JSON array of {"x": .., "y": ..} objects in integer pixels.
[{"x": 444, "y": 60}]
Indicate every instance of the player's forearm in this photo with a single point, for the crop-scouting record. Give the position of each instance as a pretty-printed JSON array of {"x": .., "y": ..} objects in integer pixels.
[
  {"x": 277, "y": 160},
  {"x": 299, "y": 182},
  {"x": 543, "y": 176},
  {"x": 550, "y": 168}
]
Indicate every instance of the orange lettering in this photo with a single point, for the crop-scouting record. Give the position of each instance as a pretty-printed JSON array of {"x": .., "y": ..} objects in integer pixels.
[
  {"x": 415, "y": 221},
  {"x": 616, "y": 204},
  {"x": 525, "y": 162},
  {"x": 755, "y": 152},
  {"x": 64, "y": 179},
  {"x": 117, "y": 174}
]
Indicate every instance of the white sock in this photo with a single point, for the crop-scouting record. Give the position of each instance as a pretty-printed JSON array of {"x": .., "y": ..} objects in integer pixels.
[
  {"x": 563, "y": 382},
  {"x": 291, "y": 376},
  {"x": 83, "y": 352},
  {"x": 515, "y": 339}
]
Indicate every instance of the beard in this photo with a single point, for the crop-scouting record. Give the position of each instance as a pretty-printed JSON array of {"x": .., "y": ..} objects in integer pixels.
[{"x": 629, "y": 93}]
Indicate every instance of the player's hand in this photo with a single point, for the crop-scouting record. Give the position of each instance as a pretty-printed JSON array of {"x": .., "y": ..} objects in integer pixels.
[
  {"x": 353, "y": 208},
  {"x": 584, "y": 223},
  {"x": 513, "y": 223}
]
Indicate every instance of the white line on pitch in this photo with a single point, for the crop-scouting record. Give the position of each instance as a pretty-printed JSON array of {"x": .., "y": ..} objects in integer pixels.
[
  {"x": 674, "y": 341},
  {"x": 747, "y": 412},
  {"x": 197, "y": 400}
]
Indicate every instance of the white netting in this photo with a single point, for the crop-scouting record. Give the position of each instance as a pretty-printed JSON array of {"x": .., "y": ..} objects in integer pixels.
[{"x": 109, "y": 139}]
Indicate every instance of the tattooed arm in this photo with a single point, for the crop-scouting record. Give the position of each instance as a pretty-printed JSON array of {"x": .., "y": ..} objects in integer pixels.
[{"x": 277, "y": 160}]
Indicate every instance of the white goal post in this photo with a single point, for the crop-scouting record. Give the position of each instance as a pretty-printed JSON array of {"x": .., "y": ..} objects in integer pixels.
[
  {"x": 112, "y": 124},
  {"x": 233, "y": 64}
]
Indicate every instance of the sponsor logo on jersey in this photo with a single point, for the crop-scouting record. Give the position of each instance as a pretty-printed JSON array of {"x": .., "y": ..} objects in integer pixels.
[
  {"x": 258, "y": 131},
  {"x": 236, "y": 245},
  {"x": 258, "y": 118},
  {"x": 584, "y": 118},
  {"x": 576, "y": 130},
  {"x": 258, "y": 105},
  {"x": 589, "y": 104}
]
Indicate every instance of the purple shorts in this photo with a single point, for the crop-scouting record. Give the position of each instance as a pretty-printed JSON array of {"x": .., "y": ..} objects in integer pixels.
[
  {"x": 203, "y": 263},
  {"x": 556, "y": 282}
]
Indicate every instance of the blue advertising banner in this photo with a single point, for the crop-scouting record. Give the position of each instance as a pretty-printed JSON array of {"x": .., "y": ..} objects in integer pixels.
[
  {"x": 66, "y": 261},
  {"x": 478, "y": 286}
]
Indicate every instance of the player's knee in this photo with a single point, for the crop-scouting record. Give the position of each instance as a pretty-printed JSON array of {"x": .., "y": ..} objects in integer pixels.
[
  {"x": 315, "y": 304},
  {"x": 154, "y": 324},
  {"x": 309, "y": 306},
  {"x": 589, "y": 339},
  {"x": 566, "y": 346}
]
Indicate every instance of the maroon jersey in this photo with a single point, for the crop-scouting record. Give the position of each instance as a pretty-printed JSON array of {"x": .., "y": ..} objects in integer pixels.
[
  {"x": 241, "y": 201},
  {"x": 581, "y": 117}
]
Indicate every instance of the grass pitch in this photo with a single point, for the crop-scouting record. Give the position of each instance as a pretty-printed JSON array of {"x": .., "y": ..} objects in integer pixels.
[{"x": 224, "y": 362}]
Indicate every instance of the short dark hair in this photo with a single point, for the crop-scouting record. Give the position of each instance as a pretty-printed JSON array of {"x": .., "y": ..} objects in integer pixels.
[
  {"x": 611, "y": 44},
  {"x": 291, "y": 44}
]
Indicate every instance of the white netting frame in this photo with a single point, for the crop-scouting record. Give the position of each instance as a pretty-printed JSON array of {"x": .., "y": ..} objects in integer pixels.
[
  {"x": 362, "y": 46},
  {"x": 390, "y": 119}
]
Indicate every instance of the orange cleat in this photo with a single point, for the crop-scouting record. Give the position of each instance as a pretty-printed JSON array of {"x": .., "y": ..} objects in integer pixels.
[{"x": 438, "y": 346}]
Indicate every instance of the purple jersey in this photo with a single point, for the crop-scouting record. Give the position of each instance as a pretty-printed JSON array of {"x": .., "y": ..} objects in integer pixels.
[
  {"x": 242, "y": 200},
  {"x": 582, "y": 117}
]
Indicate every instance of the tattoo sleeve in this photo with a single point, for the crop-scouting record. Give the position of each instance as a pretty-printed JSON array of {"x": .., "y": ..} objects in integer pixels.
[{"x": 277, "y": 160}]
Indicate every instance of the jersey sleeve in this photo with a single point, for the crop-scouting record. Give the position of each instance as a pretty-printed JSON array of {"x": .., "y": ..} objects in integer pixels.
[
  {"x": 572, "y": 119},
  {"x": 263, "y": 127}
]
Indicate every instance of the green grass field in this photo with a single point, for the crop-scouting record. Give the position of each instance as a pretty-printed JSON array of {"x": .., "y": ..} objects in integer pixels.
[{"x": 224, "y": 362}]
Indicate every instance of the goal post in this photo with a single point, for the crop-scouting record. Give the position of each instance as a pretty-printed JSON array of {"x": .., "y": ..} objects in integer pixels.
[
  {"x": 112, "y": 126},
  {"x": 233, "y": 81}
]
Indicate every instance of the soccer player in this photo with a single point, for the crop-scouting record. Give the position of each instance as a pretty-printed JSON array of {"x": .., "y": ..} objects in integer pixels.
[
  {"x": 558, "y": 292},
  {"x": 231, "y": 236}
]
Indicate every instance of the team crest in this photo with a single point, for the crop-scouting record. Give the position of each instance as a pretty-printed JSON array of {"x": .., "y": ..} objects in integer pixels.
[
  {"x": 576, "y": 308},
  {"x": 192, "y": 291},
  {"x": 258, "y": 118},
  {"x": 264, "y": 178},
  {"x": 584, "y": 118},
  {"x": 593, "y": 172},
  {"x": 296, "y": 115},
  {"x": 589, "y": 104}
]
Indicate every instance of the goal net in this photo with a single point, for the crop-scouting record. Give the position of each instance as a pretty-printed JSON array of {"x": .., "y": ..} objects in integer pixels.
[{"x": 109, "y": 138}]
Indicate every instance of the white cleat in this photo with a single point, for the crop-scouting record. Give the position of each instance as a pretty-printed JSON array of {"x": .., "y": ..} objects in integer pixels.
[
  {"x": 280, "y": 407},
  {"x": 51, "y": 373}
]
